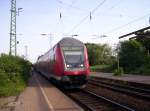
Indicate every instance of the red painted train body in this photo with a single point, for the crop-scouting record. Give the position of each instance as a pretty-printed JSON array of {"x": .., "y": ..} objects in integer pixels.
[{"x": 66, "y": 62}]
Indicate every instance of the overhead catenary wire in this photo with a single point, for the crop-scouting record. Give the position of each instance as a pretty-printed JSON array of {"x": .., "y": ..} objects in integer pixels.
[
  {"x": 100, "y": 4},
  {"x": 129, "y": 23},
  {"x": 71, "y": 5},
  {"x": 112, "y": 7},
  {"x": 60, "y": 25},
  {"x": 89, "y": 12},
  {"x": 115, "y": 5}
]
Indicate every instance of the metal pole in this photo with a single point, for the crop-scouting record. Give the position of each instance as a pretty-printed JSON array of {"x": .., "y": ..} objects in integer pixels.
[
  {"x": 26, "y": 51},
  {"x": 12, "y": 50},
  {"x": 50, "y": 35},
  {"x": 118, "y": 56},
  {"x": 118, "y": 61},
  {"x": 13, "y": 38},
  {"x": 50, "y": 40}
]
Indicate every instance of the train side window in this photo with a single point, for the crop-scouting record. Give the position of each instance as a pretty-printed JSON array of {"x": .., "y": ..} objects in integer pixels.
[{"x": 54, "y": 58}]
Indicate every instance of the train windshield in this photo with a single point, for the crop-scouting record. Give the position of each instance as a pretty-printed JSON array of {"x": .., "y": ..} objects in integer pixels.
[{"x": 74, "y": 59}]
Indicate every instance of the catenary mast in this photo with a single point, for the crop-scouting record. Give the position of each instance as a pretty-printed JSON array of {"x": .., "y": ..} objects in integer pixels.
[{"x": 13, "y": 42}]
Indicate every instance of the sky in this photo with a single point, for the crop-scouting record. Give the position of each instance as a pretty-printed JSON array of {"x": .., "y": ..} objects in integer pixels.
[{"x": 89, "y": 19}]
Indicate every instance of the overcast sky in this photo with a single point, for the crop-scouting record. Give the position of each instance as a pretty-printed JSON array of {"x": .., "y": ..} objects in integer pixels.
[{"x": 62, "y": 18}]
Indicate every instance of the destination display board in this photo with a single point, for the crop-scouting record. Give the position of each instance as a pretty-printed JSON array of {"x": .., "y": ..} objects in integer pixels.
[{"x": 72, "y": 48}]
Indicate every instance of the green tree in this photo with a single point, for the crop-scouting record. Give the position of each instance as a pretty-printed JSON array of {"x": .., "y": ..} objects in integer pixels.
[
  {"x": 99, "y": 54},
  {"x": 144, "y": 39},
  {"x": 131, "y": 55}
]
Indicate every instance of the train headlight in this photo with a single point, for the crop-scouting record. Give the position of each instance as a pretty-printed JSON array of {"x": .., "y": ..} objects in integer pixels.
[
  {"x": 81, "y": 65},
  {"x": 68, "y": 65}
]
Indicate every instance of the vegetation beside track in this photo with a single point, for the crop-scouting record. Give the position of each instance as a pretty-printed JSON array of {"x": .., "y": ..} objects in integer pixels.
[
  {"x": 130, "y": 57},
  {"x": 134, "y": 57},
  {"x": 101, "y": 68},
  {"x": 14, "y": 74}
]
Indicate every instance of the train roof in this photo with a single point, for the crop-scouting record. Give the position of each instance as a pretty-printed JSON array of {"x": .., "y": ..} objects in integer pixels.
[
  {"x": 69, "y": 41},
  {"x": 66, "y": 41}
]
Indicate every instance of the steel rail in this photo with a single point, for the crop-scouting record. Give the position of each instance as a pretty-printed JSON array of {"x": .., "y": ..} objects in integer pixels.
[
  {"x": 122, "y": 90},
  {"x": 82, "y": 102},
  {"x": 111, "y": 101},
  {"x": 123, "y": 86}
]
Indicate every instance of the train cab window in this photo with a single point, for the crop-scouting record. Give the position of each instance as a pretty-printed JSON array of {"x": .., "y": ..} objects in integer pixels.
[{"x": 74, "y": 59}]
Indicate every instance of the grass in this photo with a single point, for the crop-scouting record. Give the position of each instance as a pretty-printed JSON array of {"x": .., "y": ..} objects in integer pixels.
[
  {"x": 118, "y": 72},
  {"x": 11, "y": 85},
  {"x": 11, "y": 89},
  {"x": 101, "y": 68},
  {"x": 144, "y": 70}
]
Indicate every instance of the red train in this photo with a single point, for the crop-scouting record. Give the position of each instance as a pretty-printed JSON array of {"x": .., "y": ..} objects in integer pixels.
[{"x": 67, "y": 62}]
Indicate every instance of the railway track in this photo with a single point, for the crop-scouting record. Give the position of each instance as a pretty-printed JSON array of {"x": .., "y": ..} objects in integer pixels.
[
  {"x": 102, "y": 95},
  {"x": 135, "y": 97},
  {"x": 129, "y": 90},
  {"x": 145, "y": 87},
  {"x": 93, "y": 102}
]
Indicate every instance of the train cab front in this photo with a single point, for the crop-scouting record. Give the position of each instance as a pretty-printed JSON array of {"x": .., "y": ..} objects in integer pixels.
[{"x": 76, "y": 70}]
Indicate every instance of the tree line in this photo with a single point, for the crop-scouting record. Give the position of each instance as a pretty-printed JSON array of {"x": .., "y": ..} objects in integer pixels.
[{"x": 132, "y": 55}]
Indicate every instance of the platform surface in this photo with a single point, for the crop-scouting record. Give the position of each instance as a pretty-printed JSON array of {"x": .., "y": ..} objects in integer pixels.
[
  {"x": 41, "y": 95},
  {"x": 125, "y": 77}
]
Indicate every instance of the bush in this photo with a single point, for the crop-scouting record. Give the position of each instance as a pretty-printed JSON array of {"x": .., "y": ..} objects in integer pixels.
[
  {"x": 14, "y": 74},
  {"x": 118, "y": 72},
  {"x": 133, "y": 57},
  {"x": 144, "y": 70}
]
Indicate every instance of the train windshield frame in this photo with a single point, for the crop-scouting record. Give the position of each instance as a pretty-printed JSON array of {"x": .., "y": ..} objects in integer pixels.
[{"x": 74, "y": 58}]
